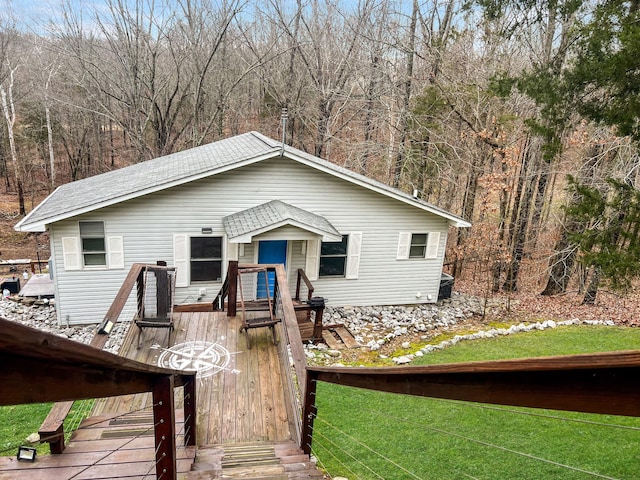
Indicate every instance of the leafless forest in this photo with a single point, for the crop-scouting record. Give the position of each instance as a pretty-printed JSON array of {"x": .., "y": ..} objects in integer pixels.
[{"x": 403, "y": 92}]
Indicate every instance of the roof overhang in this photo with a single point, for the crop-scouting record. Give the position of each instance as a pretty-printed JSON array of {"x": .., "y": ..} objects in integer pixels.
[{"x": 243, "y": 226}]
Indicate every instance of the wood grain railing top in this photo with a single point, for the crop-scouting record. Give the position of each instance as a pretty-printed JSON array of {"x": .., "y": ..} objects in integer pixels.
[{"x": 597, "y": 383}]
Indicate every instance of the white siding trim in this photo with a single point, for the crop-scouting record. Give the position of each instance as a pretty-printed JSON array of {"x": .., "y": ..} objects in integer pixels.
[
  {"x": 232, "y": 251},
  {"x": 404, "y": 244},
  {"x": 71, "y": 253},
  {"x": 115, "y": 252},
  {"x": 433, "y": 242},
  {"x": 312, "y": 263},
  {"x": 180, "y": 259},
  {"x": 353, "y": 255}
]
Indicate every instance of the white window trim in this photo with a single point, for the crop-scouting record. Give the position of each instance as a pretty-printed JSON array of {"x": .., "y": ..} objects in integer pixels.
[
  {"x": 404, "y": 244},
  {"x": 181, "y": 259},
  {"x": 353, "y": 256},
  {"x": 431, "y": 249},
  {"x": 312, "y": 263},
  {"x": 71, "y": 253},
  {"x": 115, "y": 252}
]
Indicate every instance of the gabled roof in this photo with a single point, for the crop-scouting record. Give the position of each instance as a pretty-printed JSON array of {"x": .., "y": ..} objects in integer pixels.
[
  {"x": 113, "y": 187},
  {"x": 242, "y": 226}
]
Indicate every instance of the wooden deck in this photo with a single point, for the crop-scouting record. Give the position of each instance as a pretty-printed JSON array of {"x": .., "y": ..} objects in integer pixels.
[{"x": 240, "y": 401}]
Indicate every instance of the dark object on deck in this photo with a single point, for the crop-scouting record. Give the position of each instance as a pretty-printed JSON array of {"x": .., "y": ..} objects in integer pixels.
[
  {"x": 13, "y": 285},
  {"x": 316, "y": 302},
  {"x": 446, "y": 286}
]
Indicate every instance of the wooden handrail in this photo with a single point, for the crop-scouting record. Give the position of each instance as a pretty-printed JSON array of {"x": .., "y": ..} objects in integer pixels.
[
  {"x": 46, "y": 368},
  {"x": 605, "y": 383},
  {"x": 302, "y": 277}
]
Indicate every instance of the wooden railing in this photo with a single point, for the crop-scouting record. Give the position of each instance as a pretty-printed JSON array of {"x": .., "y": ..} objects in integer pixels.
[
  {"x": 52, "y": 429},
  {"x": 303, "y": 279},
  {"x": 290, "y": 342},
  {"x": 597, "y": 383},
  {"x": 47, "y": 368}
]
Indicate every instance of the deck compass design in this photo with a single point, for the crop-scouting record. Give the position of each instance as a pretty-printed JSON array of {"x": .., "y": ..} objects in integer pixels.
[{"x": 206, "y": 358}]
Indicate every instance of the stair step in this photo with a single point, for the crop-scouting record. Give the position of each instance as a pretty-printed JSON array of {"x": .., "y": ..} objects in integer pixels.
[{"x": 256, "y": 461}]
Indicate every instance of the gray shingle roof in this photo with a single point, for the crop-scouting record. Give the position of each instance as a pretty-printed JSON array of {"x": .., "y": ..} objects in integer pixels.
[
  {"x": 263, "y": 217},
  {"x": 178, "y": 168}
]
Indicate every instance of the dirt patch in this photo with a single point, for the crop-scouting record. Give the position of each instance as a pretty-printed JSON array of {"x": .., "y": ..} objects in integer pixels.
[{"x": 18, "y": 245}]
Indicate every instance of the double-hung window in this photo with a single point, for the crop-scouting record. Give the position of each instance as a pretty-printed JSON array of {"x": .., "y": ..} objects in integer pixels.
[
  {"x": 418, "y": 245},
  {"x": 206, "y": 259},
  {"x": 92, "y": 238},
  {"x": 418, "y": 248},
  {"x": 333, "y": 258}
]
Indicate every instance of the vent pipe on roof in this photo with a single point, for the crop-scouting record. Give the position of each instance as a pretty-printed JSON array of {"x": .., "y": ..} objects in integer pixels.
[{"x": 283, "y": 119}]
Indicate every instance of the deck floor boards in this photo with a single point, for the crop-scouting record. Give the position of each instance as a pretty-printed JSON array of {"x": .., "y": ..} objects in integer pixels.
[{"x": 242, "y": 403}]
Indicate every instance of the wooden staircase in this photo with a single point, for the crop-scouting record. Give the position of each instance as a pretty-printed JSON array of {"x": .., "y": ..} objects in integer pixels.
[{"x": 257, "y": 461}]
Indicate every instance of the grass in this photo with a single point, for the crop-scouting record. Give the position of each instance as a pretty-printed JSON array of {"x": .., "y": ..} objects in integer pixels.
[
  {"x": 17, "y": 422},
  {"x": 359, "y": 433}
]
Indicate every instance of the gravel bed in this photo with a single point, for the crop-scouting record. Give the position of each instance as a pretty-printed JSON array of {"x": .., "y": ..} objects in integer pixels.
[
  {"x": 42, "y": 316},
  {"x": 373, "y": 327}
]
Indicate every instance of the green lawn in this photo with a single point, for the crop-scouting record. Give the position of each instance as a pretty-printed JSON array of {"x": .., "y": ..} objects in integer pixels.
[
  {"x": 372, "y": 435},
  {"x": 17, "y": 422}
]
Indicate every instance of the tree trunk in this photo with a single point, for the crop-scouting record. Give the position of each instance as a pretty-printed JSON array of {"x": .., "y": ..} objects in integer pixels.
[
  {"x": 562, "y": 266},
  {"x": 398, "y": 164},
  {"x": 10, "y": 116},
  {"x": 592, "y": 289}
]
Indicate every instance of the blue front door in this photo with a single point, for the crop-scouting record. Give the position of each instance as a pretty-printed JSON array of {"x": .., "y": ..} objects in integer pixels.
[{"x": 270, "y": 251}]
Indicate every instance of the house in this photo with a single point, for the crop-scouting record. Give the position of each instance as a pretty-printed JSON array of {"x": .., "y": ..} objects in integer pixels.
[{"x": 246, "y": 198}]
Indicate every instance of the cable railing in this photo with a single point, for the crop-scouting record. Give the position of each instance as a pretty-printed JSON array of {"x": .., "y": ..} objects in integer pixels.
[
  {"x": 409, "y": 438},
  {"x": 597, "y": 383}
]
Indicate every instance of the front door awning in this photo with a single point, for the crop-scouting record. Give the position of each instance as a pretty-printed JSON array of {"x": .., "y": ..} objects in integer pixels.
[{"x": 242, "y": 226}]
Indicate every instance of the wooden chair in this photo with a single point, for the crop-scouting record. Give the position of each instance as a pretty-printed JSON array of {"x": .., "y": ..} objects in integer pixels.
[
  {"x": 259, "y": 322},
  {"x": 164, "y": 289}
]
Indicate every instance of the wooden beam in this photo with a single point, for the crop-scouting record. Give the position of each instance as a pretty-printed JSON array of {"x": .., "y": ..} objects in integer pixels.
[
  {"x": 290, "y": 323},
  {"x": 232, "y": 296},
  {"x": 99, "y": 341},
  {"x": 599, "y": 383},
  {"x": 52, "y": 429},
  {"x": 48, "y": 368},
  {"x": 165, "y": 428},
  {"x": 309, "y": 412},
  {"x": 190, "y": 412}
]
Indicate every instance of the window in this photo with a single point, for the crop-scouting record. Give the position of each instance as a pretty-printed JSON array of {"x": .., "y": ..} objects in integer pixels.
[
  {"x": 333, "y": 258},
  {"x": 418, "y": 248},
  {"x": 93, "y": 244},
  {"x": 206, "y": 259},
  {"x": 418, "y": 245}
]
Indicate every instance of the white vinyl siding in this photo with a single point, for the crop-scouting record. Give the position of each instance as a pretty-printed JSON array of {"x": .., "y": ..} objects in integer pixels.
[{"x": 157, "y": 227}]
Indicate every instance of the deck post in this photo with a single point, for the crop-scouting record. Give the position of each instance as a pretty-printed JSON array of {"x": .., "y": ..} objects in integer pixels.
[
  {"x": 309, "y": 411},
  {"x": 140, "y": 293},
  {"x": 190, "y": 411},
  {"x": 165, "y": 428},
  {"x": 232, "y": 275},
  {"x": 163, "y": 291}
]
